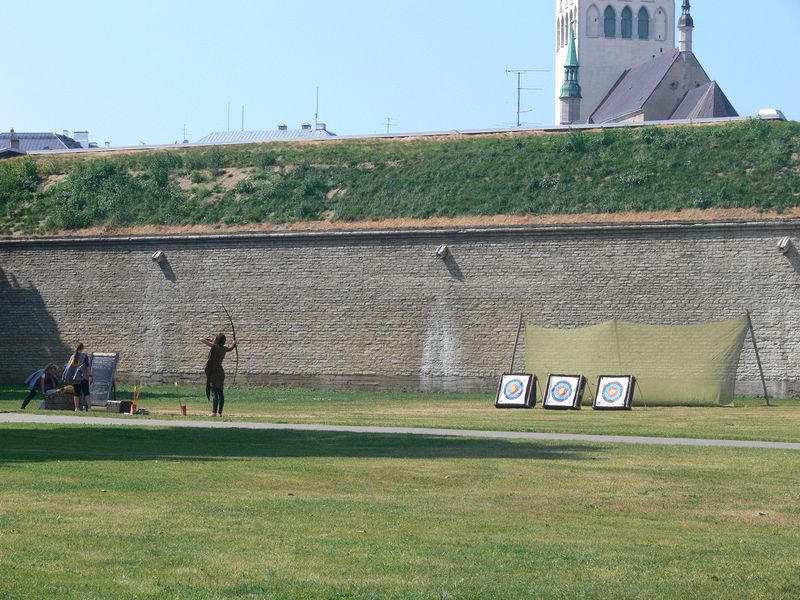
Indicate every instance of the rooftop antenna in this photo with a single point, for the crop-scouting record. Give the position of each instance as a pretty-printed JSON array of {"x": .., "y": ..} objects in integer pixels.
[
  {"x": 316, "y": 111},
  {"x": 389, "y": 123},
  {"x": 185, "y": 135},
  {"x": 519, "y": 73}
]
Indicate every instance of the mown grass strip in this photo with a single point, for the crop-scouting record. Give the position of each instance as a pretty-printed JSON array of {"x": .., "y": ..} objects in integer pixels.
[
  {"x": 167, "y": 513},
  {"x": 749, "y": 419}
]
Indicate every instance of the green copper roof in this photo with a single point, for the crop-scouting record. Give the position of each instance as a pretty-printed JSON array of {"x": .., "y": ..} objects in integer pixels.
[
  {"x": 571, "y": 89},
  {"x": 572, "y": 54}
]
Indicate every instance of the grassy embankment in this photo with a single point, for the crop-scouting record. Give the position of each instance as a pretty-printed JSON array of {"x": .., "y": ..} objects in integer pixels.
[{"x": 750, "y": 164}]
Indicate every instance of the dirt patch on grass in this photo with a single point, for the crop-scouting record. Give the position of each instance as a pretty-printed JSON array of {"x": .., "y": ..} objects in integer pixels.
[
  {"x": 51, "y": 180},
  {"x": 228, "y": 178}
]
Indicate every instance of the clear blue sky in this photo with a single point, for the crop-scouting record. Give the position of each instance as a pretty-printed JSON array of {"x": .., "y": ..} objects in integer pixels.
[{"x": 140, "y": 71}]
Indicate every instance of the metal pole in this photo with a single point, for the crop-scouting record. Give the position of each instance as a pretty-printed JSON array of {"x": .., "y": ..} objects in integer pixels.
[
  {"x": 516, "y": 341},
  {"x": 758, "y": 358},
  {"x": 519, "y": 94}
]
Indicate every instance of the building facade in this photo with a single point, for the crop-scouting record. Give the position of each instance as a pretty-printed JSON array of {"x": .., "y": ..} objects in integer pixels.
[{"x": 611, "y": 36}]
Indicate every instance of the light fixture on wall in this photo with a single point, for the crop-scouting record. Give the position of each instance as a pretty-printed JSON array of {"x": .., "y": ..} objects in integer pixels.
[
  {"x": 441, "y": 251},
  {"x": 783, "y": 245},
  {"x": 158, "y": 256}
]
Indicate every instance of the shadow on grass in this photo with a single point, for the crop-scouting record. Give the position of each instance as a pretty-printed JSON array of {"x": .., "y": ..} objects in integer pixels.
[{"x": 54, "y": 443}]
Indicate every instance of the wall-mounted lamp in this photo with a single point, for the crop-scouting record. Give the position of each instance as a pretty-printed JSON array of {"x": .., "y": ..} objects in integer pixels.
[
  {"x": 783, "y": 245},
  {"x": 158, "y": 256},
  {"x": 441, "y": 251}
]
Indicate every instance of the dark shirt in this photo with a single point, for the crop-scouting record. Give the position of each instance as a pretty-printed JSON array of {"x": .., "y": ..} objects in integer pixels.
[{"x": 214, "y": 370}]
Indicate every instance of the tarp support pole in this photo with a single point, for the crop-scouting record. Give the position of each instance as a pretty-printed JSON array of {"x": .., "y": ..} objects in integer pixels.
[
  {"x": 758, "y": 358},
  {"x": 516, "y": 342}
]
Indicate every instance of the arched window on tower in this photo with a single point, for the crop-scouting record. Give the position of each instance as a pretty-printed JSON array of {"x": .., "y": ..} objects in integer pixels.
[
  {"x": 627, "y": 23},
  {"x": 644, "y": 24},
  {"x": 593, "y": 22},
  {"x": 573, "y": 24},
  {"x": 558, "y": 32},
  {"x": 610, "y": 22}
]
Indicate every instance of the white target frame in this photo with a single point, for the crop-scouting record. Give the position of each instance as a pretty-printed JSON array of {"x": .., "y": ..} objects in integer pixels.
[
  {"x": 516, "y": 390},
  {"x": 614, "y": 392},
  {"x": 564, "y": 392}
]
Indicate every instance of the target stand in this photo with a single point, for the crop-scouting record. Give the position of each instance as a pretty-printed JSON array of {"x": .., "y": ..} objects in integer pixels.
[
  {"x": 614, "y": 392},
  {"x": 516, "y": 390},
  {"x": 564, "y": 392}
]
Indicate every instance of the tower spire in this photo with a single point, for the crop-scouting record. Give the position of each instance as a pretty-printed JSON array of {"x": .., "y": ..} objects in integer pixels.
[
  {"x": 685, "y": 25},
  {"x": 570, "y": 91}
]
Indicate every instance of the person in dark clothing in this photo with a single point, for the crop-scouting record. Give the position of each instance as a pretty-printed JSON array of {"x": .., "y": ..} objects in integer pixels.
[
  {"x": 78, "y": 374},
  {"x": 215, "y": 374},
  {"x": 44, "y": 381}
]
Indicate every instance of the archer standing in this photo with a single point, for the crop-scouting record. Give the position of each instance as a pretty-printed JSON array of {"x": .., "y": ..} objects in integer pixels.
[
  {"x": 215, "y": 374},
  {"x": 78, "y": 374}
]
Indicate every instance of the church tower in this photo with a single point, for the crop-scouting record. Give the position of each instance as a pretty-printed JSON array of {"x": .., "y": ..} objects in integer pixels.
[
  {"x": 571, "y": 90},
  {"x": 685, "y": 26},
  {"x": 610, "y": 37}
]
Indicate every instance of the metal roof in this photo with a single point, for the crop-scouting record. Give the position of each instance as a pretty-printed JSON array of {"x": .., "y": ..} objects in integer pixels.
[
  {"x": 266, "y": 135},
  {"x": 33, "y": 142},
  {"x": 633, "y": 88},
  {"x": 705, "y": 101}
]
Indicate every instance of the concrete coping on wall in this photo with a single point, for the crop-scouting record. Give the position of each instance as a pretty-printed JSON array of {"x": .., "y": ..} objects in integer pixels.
[{"x": 767, "y": 225}]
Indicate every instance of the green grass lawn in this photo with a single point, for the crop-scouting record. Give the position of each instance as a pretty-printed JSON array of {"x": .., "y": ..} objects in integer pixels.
[
  {"x": 749, "y": 419},
  {"x": 108, "y": 512}
]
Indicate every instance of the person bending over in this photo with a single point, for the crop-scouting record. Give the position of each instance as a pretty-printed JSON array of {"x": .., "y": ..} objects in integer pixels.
[{"x": 44, "y": 381}]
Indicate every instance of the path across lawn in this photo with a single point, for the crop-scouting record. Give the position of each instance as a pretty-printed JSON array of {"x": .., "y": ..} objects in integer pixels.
[{"x": 471, "y": 433}]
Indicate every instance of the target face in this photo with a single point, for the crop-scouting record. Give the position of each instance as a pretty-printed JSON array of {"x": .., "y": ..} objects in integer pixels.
[
  {"x": 561, "y": 391},
  {"x": 614, "y": 392},
  {"x": 564, "y": 391},
  {"x": 516, "y": 390}
]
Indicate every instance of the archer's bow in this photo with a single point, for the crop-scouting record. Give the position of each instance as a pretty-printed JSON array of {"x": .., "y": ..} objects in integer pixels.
[{"x": 233, "y": 330}]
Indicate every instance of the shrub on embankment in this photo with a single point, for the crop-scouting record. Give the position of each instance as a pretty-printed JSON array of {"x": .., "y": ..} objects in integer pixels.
[{"x": 752, "y": 164}]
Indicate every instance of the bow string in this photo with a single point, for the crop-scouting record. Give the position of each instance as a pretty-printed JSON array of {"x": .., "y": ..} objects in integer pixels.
[{"x": 233, "y": 330}]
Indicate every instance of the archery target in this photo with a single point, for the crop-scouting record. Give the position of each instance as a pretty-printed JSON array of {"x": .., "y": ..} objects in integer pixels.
[
  {"x": 516, "y": 390},
  {"x": 564, "y": 391},
  {"x": 614, "y": 392}
]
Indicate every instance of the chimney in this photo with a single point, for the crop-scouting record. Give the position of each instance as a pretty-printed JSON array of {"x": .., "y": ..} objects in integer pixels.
[
  {"x": 306, "y": 126},
  {"x": 282, "y": 127},
  {"x": 14, "y": 141},
  {"x": 82, "y": 137},
  {"x": 66, "y": 133},
  {"x": 320, "y": 126}
]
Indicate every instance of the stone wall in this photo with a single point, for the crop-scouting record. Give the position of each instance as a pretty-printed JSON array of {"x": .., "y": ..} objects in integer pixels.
[{"x": 379, "y": 308}]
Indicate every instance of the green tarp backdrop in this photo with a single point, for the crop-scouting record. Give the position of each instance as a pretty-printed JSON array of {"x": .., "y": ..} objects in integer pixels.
[{"x": 673, "y": 364}]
